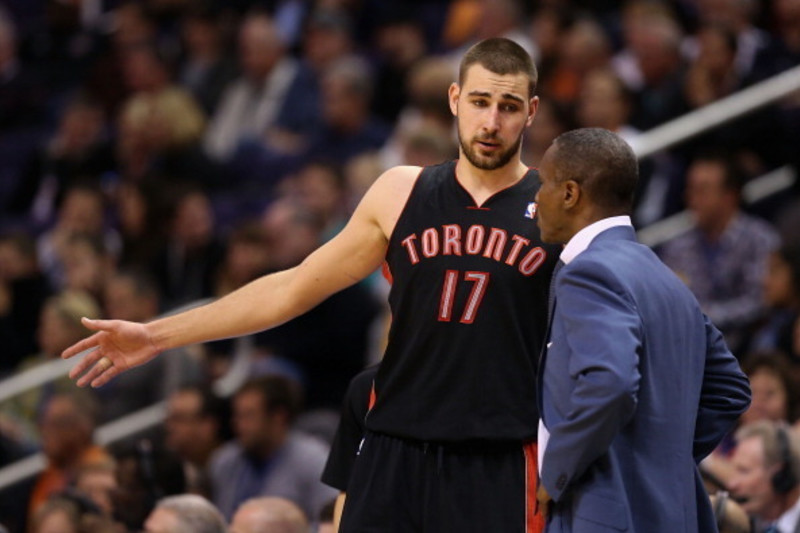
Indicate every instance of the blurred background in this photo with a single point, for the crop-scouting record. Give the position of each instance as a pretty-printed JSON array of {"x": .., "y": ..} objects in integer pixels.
[{"x": 157, "y": 153}]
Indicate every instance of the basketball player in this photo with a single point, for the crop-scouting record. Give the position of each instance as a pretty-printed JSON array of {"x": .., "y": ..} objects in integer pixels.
[{"x": 450, "y": 442}]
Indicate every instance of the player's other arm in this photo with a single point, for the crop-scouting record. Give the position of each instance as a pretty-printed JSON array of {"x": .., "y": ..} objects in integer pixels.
[
  {"x": 266, "y": 302},
  {"x": 338, "y": 508}
]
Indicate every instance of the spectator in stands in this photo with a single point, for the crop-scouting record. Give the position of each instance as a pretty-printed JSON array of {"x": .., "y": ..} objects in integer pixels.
[
  {"x": 328, "y": 36},
  {"x": 67, "y": 38},
  {"x": 145, "y": 474},
  {"x": 724, "y": 256},
  {"x": 206, "y": 68},
  {"x": 584, "y": 47},
  {"x": 22, "y": 93},
  {"x": 423, "y": 147},
  {"x": 275, "y": 92},
  {"x": 765, "y": 480},
  {"x": 504, "y": 18},
  {"x": 184, "y": 513},
  {"x": 56, "y": 515},
  {"x": 320, "y": 189},
  {"x": 781, "y": 284},
  {"x": 132, "y": 26},
  {"x": 292, "y": 232},
  {"x": 427, "y": 110},
  {"x": 133, "y": 295},
  {"x": 738, "y": 16},
  {"x": 161, "y": 127},
  {"x": 145, "y": 69},
  {"x": 399, "y": 46},
  {"x": 87, "y": 264},
  {"x": 713, "y": 75},
  {"x": 548, "y": 25},
  {"x": 196, "y": 426},
  {"x": 247, "y": 256},
  {"x": 360, "y": 173},
  {"x": 12, "y": 514},
  {"x": 23, "y": 290},
  {"x": 605, "y": 102},
  {"x": 651, "y": 63},
  {"x": 66, "y": 425},
  {"x": 773, "y": 383},
  {"x": 552, "y": 120},
  {"x": 59, "y": 326},
  {"x": 98, "y": 482},
  {"x": 268, "y": 458},
  {"x": 81, "y": 212},
  {"x": 78, "y": 152},
  {"x": 730, "y": 516},
  {"x": 71, "y": 512},
  {"x": 269, "y": 515},
  {"x": 185, "y": 266},
  {"x": 140, "y": 223},
  {"x": 784, "y": 50},
  {"x": 349, "y": 128}
]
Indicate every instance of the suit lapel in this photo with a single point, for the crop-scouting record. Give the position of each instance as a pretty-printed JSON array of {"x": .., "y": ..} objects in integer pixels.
[
  {"x": 614, "y": 233},
  {"x": 551, "y": 305}
]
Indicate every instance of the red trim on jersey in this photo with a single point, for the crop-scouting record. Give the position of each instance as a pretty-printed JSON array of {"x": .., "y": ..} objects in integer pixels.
[
  {"x": 373, "y": 397},
  {"x": 387, "y": 272},
  {"x": 476, "y": 208},
  {"x": 455, "y": 176},
  {"x": 534, "y": 519}
]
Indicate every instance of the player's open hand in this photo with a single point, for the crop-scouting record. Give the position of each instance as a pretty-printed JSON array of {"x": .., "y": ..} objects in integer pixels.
[{"x": 116, "y": 347}]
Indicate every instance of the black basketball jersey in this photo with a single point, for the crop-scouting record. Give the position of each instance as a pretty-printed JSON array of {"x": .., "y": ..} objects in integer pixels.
[{"x": 469, "y": 312}]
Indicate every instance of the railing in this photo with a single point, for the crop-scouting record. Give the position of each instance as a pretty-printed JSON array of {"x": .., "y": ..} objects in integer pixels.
[
  {"x": 645, "y": 145},
  {"x": 116, "y": 430},
  {"x": 778, "y": 180},
  {"x": 705, "y": 119},
  {"x": 717, "y": 113}
]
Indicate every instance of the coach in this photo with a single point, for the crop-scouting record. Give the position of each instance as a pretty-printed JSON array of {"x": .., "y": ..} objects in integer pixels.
[{"x": 636, "y": 385}]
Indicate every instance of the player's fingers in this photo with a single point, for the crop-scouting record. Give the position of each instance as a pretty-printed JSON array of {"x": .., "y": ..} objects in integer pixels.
[
  {"x": 81, "y": 346},
  {"x": 106, "y": 376},
  {"x": 88, "y": 368},
  {"x": 97, "y": 324}
]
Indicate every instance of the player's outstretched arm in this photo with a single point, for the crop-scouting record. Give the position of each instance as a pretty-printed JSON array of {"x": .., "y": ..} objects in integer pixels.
[{"x": 269, "y": 301}]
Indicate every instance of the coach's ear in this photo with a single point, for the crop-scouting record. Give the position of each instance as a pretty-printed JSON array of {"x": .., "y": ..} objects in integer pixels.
[
  {"x": 572, "y": 194},
  {"x": 452, "y": 95}
]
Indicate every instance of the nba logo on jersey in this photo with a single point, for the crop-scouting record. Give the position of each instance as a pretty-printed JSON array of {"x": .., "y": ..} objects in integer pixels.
[{"x": 530, "y": 212}]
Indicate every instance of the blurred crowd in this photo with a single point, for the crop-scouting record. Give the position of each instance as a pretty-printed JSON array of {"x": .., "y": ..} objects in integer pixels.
[{"x": 156, "y": 153}]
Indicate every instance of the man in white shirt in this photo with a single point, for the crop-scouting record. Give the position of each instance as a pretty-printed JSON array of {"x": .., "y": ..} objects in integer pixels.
[{"x": 765, "y": 478}]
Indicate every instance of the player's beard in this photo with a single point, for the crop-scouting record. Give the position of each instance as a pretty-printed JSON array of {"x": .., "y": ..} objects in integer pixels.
[{"x": 488, "y": 162}]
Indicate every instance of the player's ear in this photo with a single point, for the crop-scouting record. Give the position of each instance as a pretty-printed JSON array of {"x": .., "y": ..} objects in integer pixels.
[
  {"x": 534, "y": 105},
  {"x": 452, "y": 95}
]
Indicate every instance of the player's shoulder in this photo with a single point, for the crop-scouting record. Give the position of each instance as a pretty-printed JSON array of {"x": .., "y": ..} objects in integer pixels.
[
  {"x": 395, "y": 183},
  {"x": 386, "y": 197},
  {"x": 401, "y": 174}
]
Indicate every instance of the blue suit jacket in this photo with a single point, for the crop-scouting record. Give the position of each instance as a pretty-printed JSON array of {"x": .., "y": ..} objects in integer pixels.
[{"x": 635, "y": 387}]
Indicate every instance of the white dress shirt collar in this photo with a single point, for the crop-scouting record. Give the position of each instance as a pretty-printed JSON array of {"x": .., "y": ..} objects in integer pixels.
[{"x": 581, "y": 240}]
